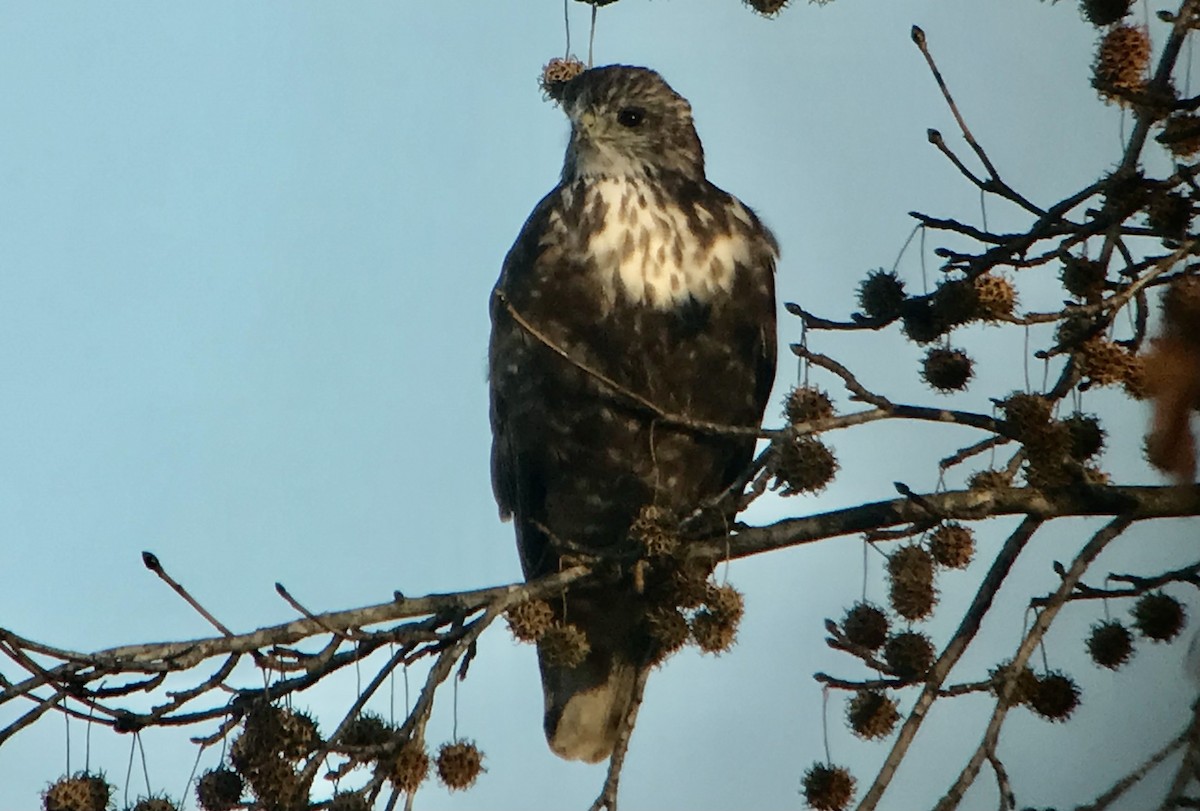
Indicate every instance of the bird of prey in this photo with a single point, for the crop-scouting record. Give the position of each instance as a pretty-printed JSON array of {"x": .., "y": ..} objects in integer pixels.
[{"x": 637, "y": 303}]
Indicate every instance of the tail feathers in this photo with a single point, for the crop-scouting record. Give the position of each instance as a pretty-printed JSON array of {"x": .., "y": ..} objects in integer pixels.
[{"x": 586, "y": 705}]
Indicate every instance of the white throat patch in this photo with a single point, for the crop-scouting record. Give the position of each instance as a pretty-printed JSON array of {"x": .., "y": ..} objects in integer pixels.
[{"x": 647, "y": 252}]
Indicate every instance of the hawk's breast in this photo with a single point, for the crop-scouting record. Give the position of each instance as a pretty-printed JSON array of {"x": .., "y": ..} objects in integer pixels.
[{"x": 659, "y": 251}]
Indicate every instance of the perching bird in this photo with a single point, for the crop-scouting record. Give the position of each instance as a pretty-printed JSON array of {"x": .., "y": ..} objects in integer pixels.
[{"x": 638, "y": 296}]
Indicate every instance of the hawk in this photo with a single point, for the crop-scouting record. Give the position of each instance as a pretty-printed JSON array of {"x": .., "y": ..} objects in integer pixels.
[{"x": 637, "y": 303}]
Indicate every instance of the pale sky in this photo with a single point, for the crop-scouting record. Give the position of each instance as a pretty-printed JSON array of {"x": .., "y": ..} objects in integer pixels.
[{"x": 245, "y": 256}]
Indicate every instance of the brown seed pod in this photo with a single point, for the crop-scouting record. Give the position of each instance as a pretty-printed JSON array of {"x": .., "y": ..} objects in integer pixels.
[
  {"x": 154, "y": 804},
  {"x": 529, "y": 621},
  {"x": 459, "y": 764},
  {"x": 82, "y": 792},
  {"x": 218, "y": 790},
  {"x": 276, "y": 784},
  {"x": 989, "y": 480},
  {"x": 367, "y": 729},
  {"x": 1159, "y": 616},
  {"x": 1181, "y": 135},
  {"x": 909, "y": 654},
  {"x": 1056, "y": 696},
  {"x": 668, "y": 631},
  {"x": 1026, "y": 682},
  {"x": 1110, "y": 644},
  {"x": 1104, "y": 12},
  {"x": 348, "y": 801},
  {"x": 996, "y": 297},
  {"x": 803, "y": 464},
  {"x": 871, "y": 714},
  {"x": 1086, "y": 436},
  {"x": 1027, "y": 414},
  {"x": 946, "y": 369},
  {"x": 955, "y": 302},
  {"x": 952, "y": 545},
  {"x": 1102, "y": 361},
  {"x": 881, "y": 294},
  {"x": 910, "y": 582},
  {"x": 655, "y": 531},
  {"x": 714, "y": 633},
  {"x": 1121, "y": 62},
  {"x": 1134, "y": 382},
  {"x": 1083, "y": 277},
  {"x": 725, "y": 601},
  {"x": 866, "y": 625},
  {"x": 922, "y": 322},
  {"x": 1047, "y": 457},
  {"x": 556, "y": 73},
  {"x": 767, "y": 8},
  {"x": 1169, "y": 214},
  {"x": 409, "y": 767},
  {"x": 828, "y": 787},
  {"x": 564, "y": 645},
  {"x": 807, "y": 404}
]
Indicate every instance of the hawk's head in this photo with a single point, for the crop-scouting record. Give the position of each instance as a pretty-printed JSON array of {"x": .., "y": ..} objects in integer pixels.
[{"x": 627, "y": 121}]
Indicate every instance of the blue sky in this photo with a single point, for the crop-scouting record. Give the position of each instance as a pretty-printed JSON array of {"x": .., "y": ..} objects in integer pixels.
[{"x": 245, "y": 255}]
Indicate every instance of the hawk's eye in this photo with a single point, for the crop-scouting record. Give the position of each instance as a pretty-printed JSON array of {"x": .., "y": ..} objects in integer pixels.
[{"x": 631, "y": 116}]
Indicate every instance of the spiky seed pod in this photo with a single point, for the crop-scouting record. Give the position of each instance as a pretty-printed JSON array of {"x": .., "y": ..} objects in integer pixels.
[
  {"x": 807, "y": 404},
  {"x": 922, "y": 322},
  {"x": 804, "y": 464},
  {"x": 655, "y": 531},
  {"x": 154, "y": 804},
  {"x": 1102, "y": 361},
  {"x": 1181, "y": 135},
  {"x": 529, "y": 621},
  {"x": 1025, "y": 682},
  {"x": 459, "y": 764},
  {"x": 1121, "y": 62},
  {"x": 298, "y": 734},
  {"x": 1104, "y": 12},
  {"x": 219, "y": 790},
  {"x": 881, "y": 294},
  {"x": 1047, "y": 456},
  {"x": 865, "y": 624},
  {"x": 909, "y": 654},
  {"x": 1125, "y": 191},
  {"x": 956, "y": 301},
  {"x": 81, "y": 792},
  {"x": 989, "y": 480},
  {"x": 668, "y": 631},
  {"x": 683, "y": 586},
  {"x": 1027, "y": 414},
  {"x": 1110, "y": 644},
  {"x": 996, "y": 296},
  {"x": 828, "y": 787},
  {"x": 871, "y": 714},
  {"x": 1087, "y": 437},
  {"x": 910, "y": 582},
  {"x": 725, "y": 601},
  {"x": 1134, "y": 381},
  {"x": 556, "y": 73},
  {"x": 1159, "y": 616},
  {"x": 276, "y": 785},
  {"x": 714, "y": 633},
  {"x": 409, "y": 767},
  {"x": 367, "y": 729},
  {"x": 348, "y": 801},
  {"x": 946, "y": 369},
  {"x": 1083, "y": 277},
  {"x": 952, "y": 545},
  {"x": 766, "y": 8},
  {"x": 1056, "y": 696},
  {"x": 1169, "y": 214},
  {"x": 564, "y": 645},
  {"x": 1072, "y": 331}
]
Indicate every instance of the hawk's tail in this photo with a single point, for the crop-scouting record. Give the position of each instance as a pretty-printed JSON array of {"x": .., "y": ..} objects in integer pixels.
[{"x": 585, "y": 705}]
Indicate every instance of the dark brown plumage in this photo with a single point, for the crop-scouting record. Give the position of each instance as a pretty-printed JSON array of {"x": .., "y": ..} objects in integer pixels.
[{"x": 634, "y": 276}]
